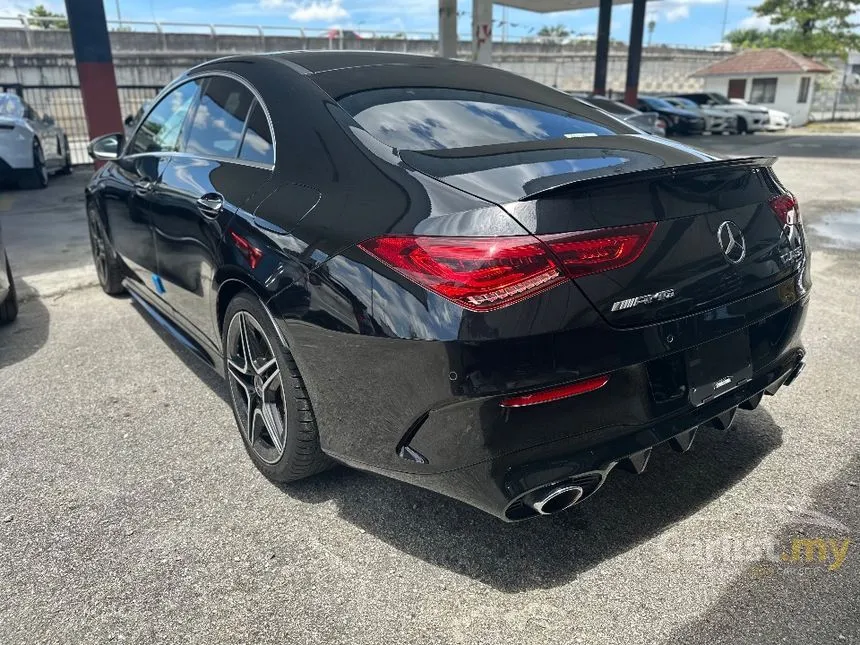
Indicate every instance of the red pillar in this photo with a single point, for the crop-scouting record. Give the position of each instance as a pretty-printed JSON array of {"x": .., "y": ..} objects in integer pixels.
[{"x": 94, "y": 61}]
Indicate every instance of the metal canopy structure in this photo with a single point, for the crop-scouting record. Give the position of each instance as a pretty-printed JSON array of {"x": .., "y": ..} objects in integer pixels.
[
  {"x": 545, "y": 6},
  {"x": 482, "y": 25}
]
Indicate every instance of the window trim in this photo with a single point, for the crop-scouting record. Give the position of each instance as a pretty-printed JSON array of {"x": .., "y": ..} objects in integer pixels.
[
  {"x": 254, "y": 105},
  {"x": 204, "y": 76}
]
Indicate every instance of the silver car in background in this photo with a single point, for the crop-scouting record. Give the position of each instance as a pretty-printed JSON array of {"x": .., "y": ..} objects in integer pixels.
[
  {"x": 717, "y": 120},
  {"x": 650, "y": 122},
  {"x": 31, "y": 146}
]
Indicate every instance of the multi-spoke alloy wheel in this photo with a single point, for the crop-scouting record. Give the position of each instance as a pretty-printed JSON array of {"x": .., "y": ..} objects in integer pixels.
[
  {"x": 272, "y": 408},
  {"x": 97, "y": 244},
  {"x": 256, "y": 387},
  {"x": 108, "y": 266}
]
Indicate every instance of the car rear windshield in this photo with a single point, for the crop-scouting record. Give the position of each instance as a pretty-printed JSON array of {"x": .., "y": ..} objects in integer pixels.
[{"x": 442, "y": 118}]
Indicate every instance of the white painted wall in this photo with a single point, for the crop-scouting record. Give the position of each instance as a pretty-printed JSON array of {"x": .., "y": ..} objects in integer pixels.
[{"x": 787, "y": 87}]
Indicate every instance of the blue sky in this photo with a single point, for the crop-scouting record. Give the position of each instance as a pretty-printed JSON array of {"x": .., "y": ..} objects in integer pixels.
[{"x": 679, "y": 22}]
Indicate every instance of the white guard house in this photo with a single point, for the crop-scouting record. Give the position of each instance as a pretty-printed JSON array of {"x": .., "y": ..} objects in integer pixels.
[{"x": 775, "y": 78}]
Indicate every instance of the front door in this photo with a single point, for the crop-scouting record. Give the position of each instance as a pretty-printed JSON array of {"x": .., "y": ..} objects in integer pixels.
[
  {"x": 130, "y": 188},
  {"x": 737, "y": 88},
  {"x": 201, "y": 191}
]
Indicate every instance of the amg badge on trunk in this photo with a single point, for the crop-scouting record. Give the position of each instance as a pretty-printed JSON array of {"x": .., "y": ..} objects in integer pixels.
[{"x": 647, "y": 299}]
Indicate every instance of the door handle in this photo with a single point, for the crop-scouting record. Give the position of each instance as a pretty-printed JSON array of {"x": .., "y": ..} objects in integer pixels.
[
  {"x": 210, "y": 204},
  {"x": 143, "y": 186}
]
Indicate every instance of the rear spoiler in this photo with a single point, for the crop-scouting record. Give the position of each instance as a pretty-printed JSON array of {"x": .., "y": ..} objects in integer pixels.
[{"x": 653, "y": 173}]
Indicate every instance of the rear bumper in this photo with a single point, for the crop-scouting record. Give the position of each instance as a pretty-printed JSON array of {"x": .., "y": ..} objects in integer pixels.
[
  {"x": 427, "y": 412},
  {"x": 500, "y": 485}
]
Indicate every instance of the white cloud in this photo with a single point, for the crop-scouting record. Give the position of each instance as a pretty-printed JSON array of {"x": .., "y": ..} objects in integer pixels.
[
  {"x": 315, "y": 10},
  {"x": 755, "y": 22},
  {"x": 679, "y": 12}
]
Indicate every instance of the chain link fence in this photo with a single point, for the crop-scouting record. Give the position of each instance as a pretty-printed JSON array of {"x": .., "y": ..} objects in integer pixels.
[
  {"x": 64, "y": 104},
  {"x": 835, "y": 104}
]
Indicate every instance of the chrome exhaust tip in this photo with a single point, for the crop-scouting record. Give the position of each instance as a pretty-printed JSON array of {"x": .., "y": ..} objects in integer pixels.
[
  {"x": 555, "y": 499},
  {"x": 795, "y": 373}
]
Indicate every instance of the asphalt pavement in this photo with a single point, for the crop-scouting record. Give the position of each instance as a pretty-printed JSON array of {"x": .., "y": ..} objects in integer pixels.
[{"x": 130, "y": 513}]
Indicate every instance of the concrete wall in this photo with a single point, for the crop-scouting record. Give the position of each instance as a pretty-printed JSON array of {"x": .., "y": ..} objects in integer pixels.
[
  {"x": 154, "y": 58},
  {"x": 785, "y": 100}
]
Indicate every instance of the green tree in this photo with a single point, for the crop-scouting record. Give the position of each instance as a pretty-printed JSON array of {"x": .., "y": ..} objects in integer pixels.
[
  {"x": 555, "y": 33},
  {"x": 806, "y": 26},
  {"x": 39, "y": 11}
]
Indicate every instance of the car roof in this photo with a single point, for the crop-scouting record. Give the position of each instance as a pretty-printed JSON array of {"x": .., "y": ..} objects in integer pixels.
[{"x": 327, "y": 60}]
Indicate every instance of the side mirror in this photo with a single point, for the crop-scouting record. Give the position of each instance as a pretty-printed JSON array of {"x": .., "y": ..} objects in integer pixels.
[
  {"x": 129, "y": 119},
  {"x": 106, "y": 147},
  {"x": 47, "y": 120}
]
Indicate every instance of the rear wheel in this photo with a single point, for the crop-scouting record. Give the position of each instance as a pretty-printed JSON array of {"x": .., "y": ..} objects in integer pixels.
[
  {"x": 67, "y": 160},
  {"x": 269, "y": 400},
  {"x": 9, "y": 307},
  {"x": 107, "y": 263},
  {"x": 38, "y": 176}
]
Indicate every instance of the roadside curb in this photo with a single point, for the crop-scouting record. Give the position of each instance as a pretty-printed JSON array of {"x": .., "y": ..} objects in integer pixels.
[{"x": 54, "y": 283}]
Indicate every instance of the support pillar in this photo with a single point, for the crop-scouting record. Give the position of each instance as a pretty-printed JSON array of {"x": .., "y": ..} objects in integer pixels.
[
  {"x": 94, "y": 62},
  {"x": 634, "y": 52},
  {"x": 482, "y": 31},
  {"x": 448, "y": 28},
  {"x": 601, "y": 61}
]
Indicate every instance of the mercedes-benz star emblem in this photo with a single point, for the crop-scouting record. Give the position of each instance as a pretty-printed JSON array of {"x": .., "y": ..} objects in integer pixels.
[{"x": 732, "y": 242}]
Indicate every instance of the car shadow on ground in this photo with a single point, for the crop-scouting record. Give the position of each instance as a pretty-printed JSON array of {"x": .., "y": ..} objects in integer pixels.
[
  {"x": 788, "y": 601},
  {"x": 200, "y": 369},
  {"x": 550, "y": 551},
  {"x": 27, "y": 334}
]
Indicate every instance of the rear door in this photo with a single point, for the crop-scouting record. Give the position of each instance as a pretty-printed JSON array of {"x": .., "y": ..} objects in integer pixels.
[
  {"x": 228, "y": 155},
  {"x": 130, "y": 195}
]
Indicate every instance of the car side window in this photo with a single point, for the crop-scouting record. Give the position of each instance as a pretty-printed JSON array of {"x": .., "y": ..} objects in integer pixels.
[
  {"x": 161, "y": 129},
  {"x": 257, "y": 142},
  {"x": 219, "y": 121}
]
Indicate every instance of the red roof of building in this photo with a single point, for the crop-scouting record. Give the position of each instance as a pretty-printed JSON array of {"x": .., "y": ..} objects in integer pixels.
[{"x": 764, "y": 61}]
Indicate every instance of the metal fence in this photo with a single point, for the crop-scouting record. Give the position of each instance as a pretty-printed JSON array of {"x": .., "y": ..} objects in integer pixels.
[
  {"x": 64, "y": 104},
  {"x": 830, "y": 104}
]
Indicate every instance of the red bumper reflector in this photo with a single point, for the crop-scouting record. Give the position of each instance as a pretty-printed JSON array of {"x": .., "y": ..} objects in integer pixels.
[{"x": 556, "y": 393}]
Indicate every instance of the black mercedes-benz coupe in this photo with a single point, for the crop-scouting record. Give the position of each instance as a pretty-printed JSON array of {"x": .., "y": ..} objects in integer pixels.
[{"x": 448, "y": 274}]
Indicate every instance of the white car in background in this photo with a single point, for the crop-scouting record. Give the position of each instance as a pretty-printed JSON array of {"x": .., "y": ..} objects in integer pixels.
[
  {"x": 31, "y": 147},
  {"x": 751, "y": 118},
  {"x": 717, "y": 120},
  {"x": 778, "y": 120}
]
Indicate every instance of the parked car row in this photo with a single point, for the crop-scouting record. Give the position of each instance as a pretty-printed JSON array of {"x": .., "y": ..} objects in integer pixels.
[{"x": 690, "y": 114}]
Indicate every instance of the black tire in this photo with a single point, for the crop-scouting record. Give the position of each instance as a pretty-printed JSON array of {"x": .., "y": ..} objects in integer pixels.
[
  {"x": 742, "y": 125},
  {"x": 301, "y": 455},
  {"x": 67, "y": 163},
  {"x": 37, "y": 177},
  {"x": 107, "y": 263},
  {"x": 9, "y": 307}
]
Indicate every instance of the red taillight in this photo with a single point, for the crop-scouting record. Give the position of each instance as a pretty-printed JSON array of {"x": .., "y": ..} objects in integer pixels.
[
  {"x": 249, "y": 252},
  {"x": 785, "y": 208},
  {"x": 556, "y": 393},
  {"x": 604, "y": 249},
  {"x": 477, "y": 273},
  {"x": 486, "y": 273}
]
